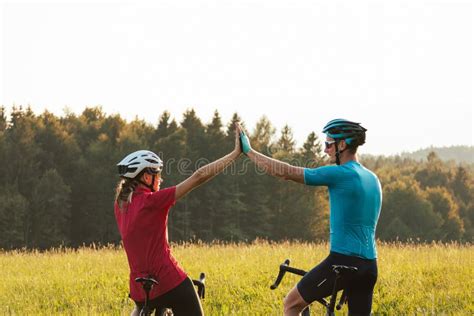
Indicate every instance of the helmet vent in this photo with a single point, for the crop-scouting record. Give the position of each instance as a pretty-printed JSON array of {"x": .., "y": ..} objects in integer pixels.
[{"x": 122, "y": 169}]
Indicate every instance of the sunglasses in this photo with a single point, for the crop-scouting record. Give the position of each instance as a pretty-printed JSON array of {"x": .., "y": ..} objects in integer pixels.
[{"x": 329, "y": 144}]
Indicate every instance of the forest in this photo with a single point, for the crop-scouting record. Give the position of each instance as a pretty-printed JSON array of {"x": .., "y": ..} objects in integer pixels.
[{"x": 58, "y": 180}]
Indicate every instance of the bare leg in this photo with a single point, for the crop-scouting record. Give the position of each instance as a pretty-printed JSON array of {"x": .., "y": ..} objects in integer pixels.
[
  {"x": 293, "y": 303},
  {"x": 134, "y": 312}
]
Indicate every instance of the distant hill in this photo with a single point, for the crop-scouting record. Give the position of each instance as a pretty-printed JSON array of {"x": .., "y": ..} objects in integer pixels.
[{"x": 459, "y": 154}]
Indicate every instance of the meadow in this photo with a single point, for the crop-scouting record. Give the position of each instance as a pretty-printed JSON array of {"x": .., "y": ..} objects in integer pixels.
[{"x": 426, "y": 279}]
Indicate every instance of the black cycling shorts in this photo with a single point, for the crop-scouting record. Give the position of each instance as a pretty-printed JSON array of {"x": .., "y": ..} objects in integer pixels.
[
  {"x": 318, "y": 283},
  {"x": 183, "y": 300}
]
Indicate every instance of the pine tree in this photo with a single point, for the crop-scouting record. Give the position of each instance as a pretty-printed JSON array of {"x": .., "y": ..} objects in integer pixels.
[
  {"x": 3, "y": 120},
  {"x": 213, "y": 191},
  {"x": 193, "y": 212},
  {"x": 13, "y": 213},
  {"x": 311, "y": 154},
  {"x": 262, "y": 136},
  {"x": 231, "y": 216},
  {"x": 50, "y": 211},
  {"x": 312, "y": 206},
  {"x": 285, "y": 206}
]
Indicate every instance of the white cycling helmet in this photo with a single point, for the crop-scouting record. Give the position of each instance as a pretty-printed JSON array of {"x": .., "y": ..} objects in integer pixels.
[{"x": 134, "y": 163}]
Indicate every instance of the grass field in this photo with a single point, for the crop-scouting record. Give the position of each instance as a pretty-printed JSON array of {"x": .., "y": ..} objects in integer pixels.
[{"x": 413, "y": 279}]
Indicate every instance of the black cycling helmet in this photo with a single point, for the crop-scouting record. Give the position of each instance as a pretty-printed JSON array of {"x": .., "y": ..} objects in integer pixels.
[
  {"x": 352, "y": 133},
  {"x": 344, "y": 129}
]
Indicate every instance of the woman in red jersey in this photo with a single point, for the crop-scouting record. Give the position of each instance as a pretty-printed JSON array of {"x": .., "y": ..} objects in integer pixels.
[{"x": 141, "y": 211}]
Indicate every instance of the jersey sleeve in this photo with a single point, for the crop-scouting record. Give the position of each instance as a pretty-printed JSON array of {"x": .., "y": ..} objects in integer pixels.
[
  {"x": 162, "y": 199},
  {"x": 321, "y": 176}
]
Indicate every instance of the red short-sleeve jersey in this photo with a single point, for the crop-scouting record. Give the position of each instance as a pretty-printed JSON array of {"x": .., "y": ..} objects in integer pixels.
[{"x": 144, "y": 230}]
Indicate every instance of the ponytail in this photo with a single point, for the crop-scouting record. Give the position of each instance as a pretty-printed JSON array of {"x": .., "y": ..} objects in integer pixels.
[{"x": 124, "y": 191}]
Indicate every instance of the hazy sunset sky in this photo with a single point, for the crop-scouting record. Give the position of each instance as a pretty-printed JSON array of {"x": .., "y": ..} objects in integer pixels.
[{"x": 402, "y": 68}]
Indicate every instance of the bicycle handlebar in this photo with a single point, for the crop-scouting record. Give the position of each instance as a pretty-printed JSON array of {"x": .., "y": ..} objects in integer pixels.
[
  {"x": 201, "y": 285},
  {"x": 285, "y": 267}
]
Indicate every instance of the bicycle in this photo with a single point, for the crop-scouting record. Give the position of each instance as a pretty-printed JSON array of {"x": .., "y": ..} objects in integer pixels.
[
  {"x": 149, "y": 282},
  {"x": 340, "y": 270}
]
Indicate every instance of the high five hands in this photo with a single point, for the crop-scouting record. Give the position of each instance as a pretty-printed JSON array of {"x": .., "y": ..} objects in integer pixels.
[{"x": 244, "y": 140}]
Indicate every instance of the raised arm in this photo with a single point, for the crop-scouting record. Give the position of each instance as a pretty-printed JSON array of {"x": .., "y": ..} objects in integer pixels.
[
  {"x": 209, "y": 171},
  {"x": 271, "y": 166}
]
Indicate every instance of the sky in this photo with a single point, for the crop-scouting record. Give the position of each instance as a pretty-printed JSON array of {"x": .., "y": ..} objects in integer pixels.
[{"x": 404, "y": 69}]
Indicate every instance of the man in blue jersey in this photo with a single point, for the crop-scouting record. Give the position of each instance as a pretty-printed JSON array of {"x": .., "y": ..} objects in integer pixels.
[{"x": 355, "y": 200}]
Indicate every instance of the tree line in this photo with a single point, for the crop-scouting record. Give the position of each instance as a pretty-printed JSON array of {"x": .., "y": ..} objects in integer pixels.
[{"x": 59, "y": 177}]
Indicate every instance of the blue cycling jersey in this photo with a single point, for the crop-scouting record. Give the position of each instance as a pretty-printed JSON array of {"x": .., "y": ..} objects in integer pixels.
[{"x": 355, "y": 197}]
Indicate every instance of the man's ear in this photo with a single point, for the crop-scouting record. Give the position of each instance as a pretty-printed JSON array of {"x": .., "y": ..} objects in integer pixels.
[{"x": 342, "y": 145}]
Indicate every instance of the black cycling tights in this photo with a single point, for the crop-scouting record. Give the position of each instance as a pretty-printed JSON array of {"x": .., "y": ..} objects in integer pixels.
[
  {"x": 318, "y": 283},
  {"x": 183, "y": 300}
]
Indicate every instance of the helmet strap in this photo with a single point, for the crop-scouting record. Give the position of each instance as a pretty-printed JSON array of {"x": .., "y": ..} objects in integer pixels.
[
  {"x": 338, "y": 152},
  {"x": 338, "y": 160}
]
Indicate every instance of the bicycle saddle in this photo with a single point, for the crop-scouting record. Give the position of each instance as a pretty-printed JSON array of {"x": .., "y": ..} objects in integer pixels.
[
  {"x": 147, "y": 280},
  {"x": 340, "y": 269}
]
